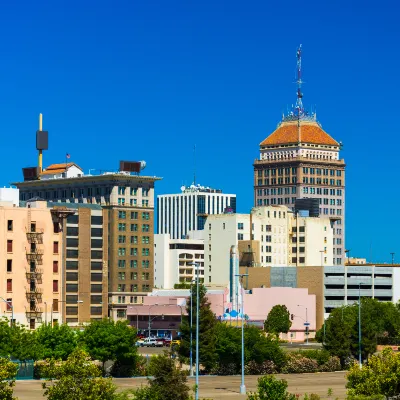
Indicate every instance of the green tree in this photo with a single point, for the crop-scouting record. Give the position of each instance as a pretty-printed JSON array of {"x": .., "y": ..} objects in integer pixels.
[
  {"x": 270, "y": 388},
  {"x": 57, "y": 341},
  {"x": 168, "y": 382},
  {"x": 8, "y": 371},
  {"x": 278, "y": 320},
  {"x": 77, "y": 378},
  {"x": 18, "y": 342},
  {"x": 108, "y": 340},
  {"x": 380, "y": 376},
  {"x": 257, "y": 347},
  {"x": 207, "y": 330}
]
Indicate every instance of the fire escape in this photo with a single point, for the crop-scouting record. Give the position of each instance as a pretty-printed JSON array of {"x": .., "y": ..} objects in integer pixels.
[{"x": 34, "y": 256}]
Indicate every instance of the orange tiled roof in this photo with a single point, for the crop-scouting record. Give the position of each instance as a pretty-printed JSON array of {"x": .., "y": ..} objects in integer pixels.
[
  {"x": 57, "y": 168},
  {"x": 288, "y": 132}
]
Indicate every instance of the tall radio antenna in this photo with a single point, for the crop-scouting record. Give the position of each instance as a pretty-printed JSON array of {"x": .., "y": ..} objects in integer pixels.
[
  {"x": 194, "y": 165},
  {"x": 299, "y": 102}
]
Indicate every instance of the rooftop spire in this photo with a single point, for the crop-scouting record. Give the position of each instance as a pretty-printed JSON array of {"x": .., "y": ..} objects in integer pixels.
[{"x": 299, "y": 103}]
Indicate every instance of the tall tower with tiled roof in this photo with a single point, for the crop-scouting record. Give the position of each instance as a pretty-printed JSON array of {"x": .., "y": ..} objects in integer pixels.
[{"x": 300, "y": 160}]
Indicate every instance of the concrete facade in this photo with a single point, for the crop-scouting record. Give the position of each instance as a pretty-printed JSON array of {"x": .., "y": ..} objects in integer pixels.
[{"x": 173, "y": 259}]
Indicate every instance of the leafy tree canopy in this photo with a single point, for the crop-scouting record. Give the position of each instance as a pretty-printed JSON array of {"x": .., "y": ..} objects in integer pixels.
[
  {"x": 278, "y": 320},
  {"x": 57, "y": 341},
  {"x": 8, "y": 371},
  {"x": 108, "y": 340}
]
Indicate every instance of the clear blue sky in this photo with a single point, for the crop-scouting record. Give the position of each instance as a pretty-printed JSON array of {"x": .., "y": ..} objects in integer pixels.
[{"x": 149, "y": 79}]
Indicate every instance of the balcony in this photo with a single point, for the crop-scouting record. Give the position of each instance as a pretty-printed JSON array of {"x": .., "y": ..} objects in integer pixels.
[
  {"x": 36, "y": 274},
  {"x": 383, "y": 293},
  {"x": 334, "y": 303},
  {"x": 34, "y": 255},
  {"x": 34, "y": 294},
  {"x": 334, "y": 292},
  {"x": 35, "y": 237},
  {"x": 34, "y": 313}
]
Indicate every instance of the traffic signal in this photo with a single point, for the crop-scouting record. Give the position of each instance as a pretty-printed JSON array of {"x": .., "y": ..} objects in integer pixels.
[{"x": 292, "y": 317}]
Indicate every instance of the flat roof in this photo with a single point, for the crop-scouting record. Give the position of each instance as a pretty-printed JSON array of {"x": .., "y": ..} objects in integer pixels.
[{"x": 86, "y": 179}]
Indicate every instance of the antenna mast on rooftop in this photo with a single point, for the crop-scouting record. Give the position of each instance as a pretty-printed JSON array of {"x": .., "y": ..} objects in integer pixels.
[
  {"x": 299, "y": 102},
  {"x": 194, "y": 165}
]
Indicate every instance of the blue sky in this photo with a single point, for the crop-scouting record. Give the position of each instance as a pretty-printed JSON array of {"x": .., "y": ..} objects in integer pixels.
[{"x": 149, "y": 79}]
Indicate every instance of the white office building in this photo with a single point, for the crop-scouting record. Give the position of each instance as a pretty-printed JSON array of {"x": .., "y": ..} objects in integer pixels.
[
  {"x": 177, "y": 214},
  {"x": 279, "y": 238},
  {"x": 174, "y": 260}
]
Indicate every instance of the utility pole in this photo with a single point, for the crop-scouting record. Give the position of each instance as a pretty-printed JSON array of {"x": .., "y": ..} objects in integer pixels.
[{"x": 392, "y": 257}]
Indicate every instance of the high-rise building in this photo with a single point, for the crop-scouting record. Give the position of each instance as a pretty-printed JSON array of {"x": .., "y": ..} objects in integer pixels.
[
  {"x": 177, "y": 214},
  {"x": 127, "y": 202},
  {"x": 300, "y": 160}
]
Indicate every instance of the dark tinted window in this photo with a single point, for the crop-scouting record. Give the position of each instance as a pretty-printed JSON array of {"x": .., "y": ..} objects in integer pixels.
[
  {"x": 72, "y": 264},
  {"x": 72, "y": 242},
  {"x": 97, "y": 232},
  {"x": 96, "y": 299},
  {"x": 72, "y": 276},
  {"x": 72, "y": 253},
  {"x": 96, "y": 277},
  {"x": 73, "y": 219},
  {"x": 97, "y": 243},
  {"x": 71, "y": 298},
  {"x": 96, "y": 265},
  {"x": 71, "y": 310},
  {"x": 72, "y": 287},
  {"x": 96, "y": 254},
  {"x": 96, "y": 288},
  {"x": 96, "y": 310},
  {"x": 72, "y": 231},
  {"x": 97, "y": 220}
]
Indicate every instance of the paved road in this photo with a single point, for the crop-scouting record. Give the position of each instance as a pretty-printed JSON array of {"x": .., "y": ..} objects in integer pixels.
[{"x": 221, "y": 387}]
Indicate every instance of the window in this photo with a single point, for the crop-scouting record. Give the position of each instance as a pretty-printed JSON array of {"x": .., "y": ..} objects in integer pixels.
[
  {"x": 9, "y": 225},
  {"x": 145, "y": 228},
  {"x": 268, "y": 228},
  {"x": 121, "y": 190},
  {"x": 133, "y": 192},
  {"x": 71, "y": 287},
  {"x": 133, "y": 263},
  {"x": 121, "y": 214},
  {"x": 55, "y": 286},
  {"x": 121, "y": 299},
  {"x": 145, "y": 239},
  {"x": 133, "y": 202},
  {"x": 55, "y": 267},
  {"x": 145, "y": 192},
  {"x": 95, "y": 265},
  {"x": 55, "y": 247},
  {"x": 240, "y": 225},
  {"x": 96, "y": 310},
  {"x": 134, "y": 227},
  {"x": 121, "y": 263},
  {"x": 209, "y": 226},
  {"x": 134, "y": 288},
  {"x": 32, "y": 323},
  {"x": 134, "y": 239},
  {"x": 72, "y": 276},
  {"x": 145, "y": 203},
  {"x": 121, "y": 238},
  {"x": 240, "y": 236},
  {"x": 134, "y": 215},
  {"x": 268, "y": 259},
  {"x": 9, "y": 285},
  {"x": 145, "y": 276},
  {"x": 9, "y": 246},
  {"x": 9, "y": 305},
  {"x": 133, "y": 251},
  {"x": 122, "y": 227},
  {"x": 145, "y": 264},
  {"x": 268, "y": 238},
  {"x": 121, "y": 287},
  {"x": 9, "y": 265},
  {"x": 145, "y": 252},
  {"x": 121, "y": 201},
  {"x": 134, "y": 276},
  {"x": 146, "y": 215},
  {"x": 121, "y": 251},
  {"x": 97, "y": 287},
  {"x": 96, "y": 254},
  {"x": 145, "y": 288},
  {"x": 121, "y": 276}
]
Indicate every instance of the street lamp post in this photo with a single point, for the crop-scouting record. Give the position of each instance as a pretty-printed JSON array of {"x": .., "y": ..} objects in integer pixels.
[
  {"x": 197, "y": 329},
  {"x": 137, "y": 319},
  {"x": 307, "y": 329},
  {"x": 191, "y": 331},
  {"x": 45, "y": 313},
  {"x": 322, "y": 257},
  {"x": 359, "y": 325},
  {"x": 149, "y": 317},
  {"x": 242, "y": 386},
  {"x": 9, "y": 304}
]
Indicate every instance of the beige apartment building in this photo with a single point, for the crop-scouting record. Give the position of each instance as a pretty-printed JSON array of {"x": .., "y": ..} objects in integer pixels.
[{"x": 31, "y": 260}]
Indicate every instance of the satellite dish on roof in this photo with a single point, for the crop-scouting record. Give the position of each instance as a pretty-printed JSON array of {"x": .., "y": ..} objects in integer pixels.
[{"x": 183, "y": 188}]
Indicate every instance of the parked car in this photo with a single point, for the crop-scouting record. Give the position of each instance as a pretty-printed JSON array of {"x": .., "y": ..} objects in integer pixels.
[
  {"x": 149, "y": 342},
  {"x": 166, "y": 341}
]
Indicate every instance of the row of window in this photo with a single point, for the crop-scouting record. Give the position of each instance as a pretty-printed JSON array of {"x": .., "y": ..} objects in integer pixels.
[
  {"x": 134, "y": 239},
  {"x": 132, "y": 202},
  {"x": 274, "y": 171},
  {"x": 320, "y": 171},
  {"x": 94, "y": 232},
  {"x": 279, "y": 181},
  {"x": 320, "y": 181},
  {"x": 134, "y": 287},
  {"x": 32, "y": 285},
  {"x": 122, "y": 191},
  {"x": 133, "y": 251},
  {"x": 134, "y": 276},
  {"x": 133, "y": 264},
  {"x": 133, "y": 227},
  {"x": 73, "y": 277},
  {"x": 292, "y": 189},
  {"x": 94, "y": 254},
  {"x": 293, "y": 171},
  {"x": 134, "y": 215},
  {"x": 73, "y": 288},
  {"x": 278, "y": 201}
]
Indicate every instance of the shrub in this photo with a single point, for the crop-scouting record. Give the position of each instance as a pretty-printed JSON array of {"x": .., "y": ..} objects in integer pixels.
[
  {"x": 332, "y": 365},
  {"x": 266, "y": 368},
  {"x": 361, "y": 397},
  {"x": 312, "y": 396},
  {"x": 8, "y": 371},
  {"x": 225, "y": 369},
  {"x": 321, "y": 356},
  {"x": 296, "y": 364},
  {"x": 270, "y": 388}
]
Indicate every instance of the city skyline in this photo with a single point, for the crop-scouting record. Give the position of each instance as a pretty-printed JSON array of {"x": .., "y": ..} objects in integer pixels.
[{"x": 138, "y": 82}]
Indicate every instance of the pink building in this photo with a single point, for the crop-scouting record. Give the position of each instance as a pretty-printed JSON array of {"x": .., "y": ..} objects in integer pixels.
[{"x": 166, "y": 308}]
